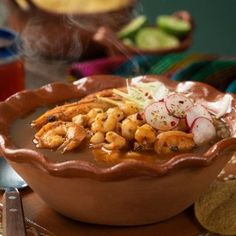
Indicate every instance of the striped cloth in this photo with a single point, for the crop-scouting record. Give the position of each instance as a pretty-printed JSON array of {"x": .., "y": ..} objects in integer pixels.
[{"x": 219, "y": 72}]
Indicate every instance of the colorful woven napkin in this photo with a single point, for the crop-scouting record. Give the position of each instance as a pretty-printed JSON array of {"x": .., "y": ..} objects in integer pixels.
[{"x": 219, "y": 72}]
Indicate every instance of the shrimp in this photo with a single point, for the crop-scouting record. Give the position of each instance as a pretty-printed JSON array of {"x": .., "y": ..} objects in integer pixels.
[
  {"x": 63, "y": 135},
  {"x": 173, "y": 141},
  {"x": 67, "y": 112}
]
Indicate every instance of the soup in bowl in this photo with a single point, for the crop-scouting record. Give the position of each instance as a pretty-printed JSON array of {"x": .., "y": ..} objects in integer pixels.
[{"x": 112, "y": 151}]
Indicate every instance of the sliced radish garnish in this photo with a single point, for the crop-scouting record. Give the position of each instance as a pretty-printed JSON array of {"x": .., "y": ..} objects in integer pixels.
[
  {"x": 196, "y": 111},
  {"x": 177, "y": 104},
  {"x": 203, "y": 130},
  {"x": 158, "y": 116}
]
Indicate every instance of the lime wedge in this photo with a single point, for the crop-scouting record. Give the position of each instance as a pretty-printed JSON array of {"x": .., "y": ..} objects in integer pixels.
[
  {"x": 173, "y": 25},
  {"x": 132, "y": 27},
  {"x": 153, "y": 38}
]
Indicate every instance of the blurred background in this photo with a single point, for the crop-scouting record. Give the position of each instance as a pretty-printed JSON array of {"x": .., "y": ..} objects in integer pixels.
[
  {"x": 63, "y": 46},
  {"x": 215, "y": 22}
]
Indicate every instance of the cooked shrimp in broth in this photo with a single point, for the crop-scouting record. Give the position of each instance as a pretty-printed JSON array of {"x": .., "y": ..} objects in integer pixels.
[
  {"x": 129, "y": 121},
  {"x": 67, "y": 112},
  {"x": 62, "y": 135}
]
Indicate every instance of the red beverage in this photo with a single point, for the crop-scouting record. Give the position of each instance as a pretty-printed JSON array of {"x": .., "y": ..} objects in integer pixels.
[
  {"x": 11, "y": 64},
  {"x": 11, "y": 78}
]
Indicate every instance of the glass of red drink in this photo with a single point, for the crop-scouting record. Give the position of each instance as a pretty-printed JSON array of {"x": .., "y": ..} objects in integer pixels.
[{"x": 11, "y": 64}]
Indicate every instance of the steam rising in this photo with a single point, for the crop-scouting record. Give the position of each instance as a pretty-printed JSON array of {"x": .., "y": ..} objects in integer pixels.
[{"x": 37, "y": 45}]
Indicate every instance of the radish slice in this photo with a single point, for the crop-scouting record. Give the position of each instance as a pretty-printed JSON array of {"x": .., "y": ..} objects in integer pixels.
[
  {"x": 196, "y": 111},
  {"x": 203, "y": 130},
  {"x": 177, "y": 104},
  {"x": 158, "y": 116}
]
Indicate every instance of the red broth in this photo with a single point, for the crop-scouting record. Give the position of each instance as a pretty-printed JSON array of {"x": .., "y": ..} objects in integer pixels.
[{"x": 22, "y": 135}]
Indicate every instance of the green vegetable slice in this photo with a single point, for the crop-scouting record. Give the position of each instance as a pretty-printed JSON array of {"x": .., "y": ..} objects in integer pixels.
[
  {"x": 153, "y": 38},
  {"x": 173, "y": 25},
  {"x": 132, "y": 27}
]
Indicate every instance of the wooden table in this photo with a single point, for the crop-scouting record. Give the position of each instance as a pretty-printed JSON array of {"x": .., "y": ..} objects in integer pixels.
[{"x": 37, "y": 211}]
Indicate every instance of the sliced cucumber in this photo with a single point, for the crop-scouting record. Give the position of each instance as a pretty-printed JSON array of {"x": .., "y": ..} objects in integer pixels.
[
  {"x": 173, "y": 25},
  {"x": 153, "y": 38},
  {"x": 132, "y": 27}
]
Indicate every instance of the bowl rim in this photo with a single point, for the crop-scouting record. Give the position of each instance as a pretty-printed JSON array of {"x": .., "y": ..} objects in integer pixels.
[{"x": 15, "y": 107}]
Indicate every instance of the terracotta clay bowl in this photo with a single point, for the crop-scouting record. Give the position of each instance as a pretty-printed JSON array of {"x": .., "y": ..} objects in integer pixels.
[
  {"x": 133, "y": 192},
  {"x": 114, "y": 46},
  {"x": 60, "y": 35}
]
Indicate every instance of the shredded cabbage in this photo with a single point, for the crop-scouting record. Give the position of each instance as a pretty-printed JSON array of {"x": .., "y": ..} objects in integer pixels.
[
  {"x": 133, "y": 98},
  {"x": 144, "y": 93}
]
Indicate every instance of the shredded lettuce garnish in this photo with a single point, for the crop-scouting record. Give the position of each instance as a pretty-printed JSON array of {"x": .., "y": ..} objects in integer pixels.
[
  {"x": 144, "y": 93},
  {"x": 109, "y": 100},
  {"x": 157, "y": 90},
  {"x": 134, "y": 96}
]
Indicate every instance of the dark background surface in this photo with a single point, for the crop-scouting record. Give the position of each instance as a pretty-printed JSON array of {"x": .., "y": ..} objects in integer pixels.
[{"x": 215, "y": 21}]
